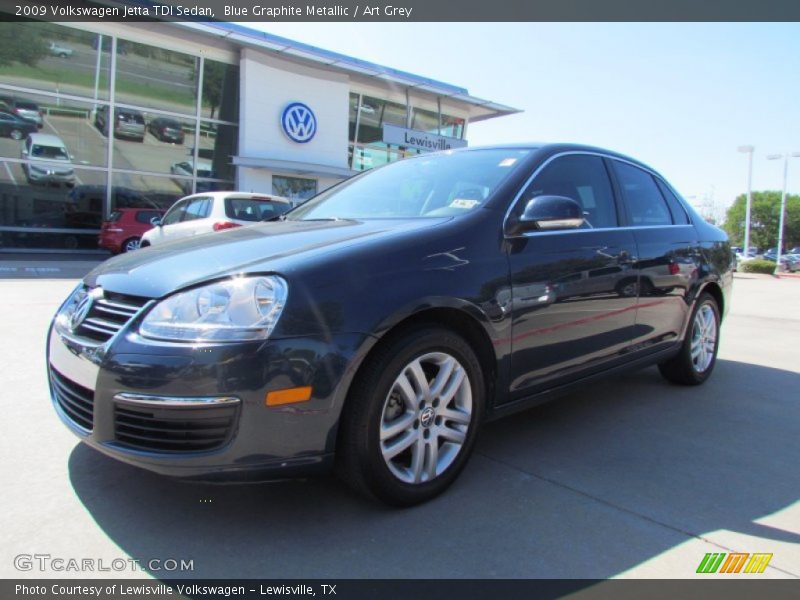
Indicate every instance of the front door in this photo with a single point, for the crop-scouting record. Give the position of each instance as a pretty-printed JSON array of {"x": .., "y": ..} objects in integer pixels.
[{"x": 574, "y": 292}]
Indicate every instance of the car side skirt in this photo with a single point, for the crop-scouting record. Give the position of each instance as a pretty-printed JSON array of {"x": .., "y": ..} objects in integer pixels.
[{"x": 549, "y": 394}]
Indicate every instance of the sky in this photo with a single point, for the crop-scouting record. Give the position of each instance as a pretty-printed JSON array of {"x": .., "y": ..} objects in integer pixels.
[{"x": 681, "y": 97}]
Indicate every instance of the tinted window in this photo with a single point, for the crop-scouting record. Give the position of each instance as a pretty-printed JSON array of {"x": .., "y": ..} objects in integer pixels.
[
  {"x": 248, "y": 209},
  {"x": 198, "y": 209},
  {"x": 582, "y": 178},
  {"x": 646, "y": 205},
  {"x": 57, "y": 152},
  {"x": 679, "y": 215},
  {"x": 145, "y": 216}
]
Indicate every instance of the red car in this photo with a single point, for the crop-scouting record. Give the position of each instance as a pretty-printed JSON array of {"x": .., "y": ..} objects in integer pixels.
[{"x": 124, "y": 228}]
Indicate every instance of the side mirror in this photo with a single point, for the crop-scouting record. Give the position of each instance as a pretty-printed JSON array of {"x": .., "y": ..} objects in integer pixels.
[
  {"x": 156, "y": 222},
  {"x": 546, "y": 213}
]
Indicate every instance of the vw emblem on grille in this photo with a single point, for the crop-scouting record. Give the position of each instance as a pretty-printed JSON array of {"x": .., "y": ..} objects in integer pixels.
[
  {"x": 81, "y": 311},
  {"x": 299, "y": 123}
]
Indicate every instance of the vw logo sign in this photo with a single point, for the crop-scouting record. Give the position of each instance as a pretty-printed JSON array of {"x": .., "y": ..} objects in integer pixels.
[
  {"x": 81, "y": 311},
  {"x": 299, "y": 123}
]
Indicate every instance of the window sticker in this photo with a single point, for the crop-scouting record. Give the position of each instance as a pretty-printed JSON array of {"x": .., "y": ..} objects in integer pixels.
[
  {"x": 464, "y": 203},
  {"x": 507, "y": 162}
]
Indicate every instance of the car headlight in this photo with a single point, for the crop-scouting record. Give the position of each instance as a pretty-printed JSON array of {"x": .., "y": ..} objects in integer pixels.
[
  {"x": 64, "y": 316},
  {"x": 234, "y": 310}
]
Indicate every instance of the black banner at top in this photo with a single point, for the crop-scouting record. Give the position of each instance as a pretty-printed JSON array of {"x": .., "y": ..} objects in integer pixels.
[{"x": 401, "y": 10}]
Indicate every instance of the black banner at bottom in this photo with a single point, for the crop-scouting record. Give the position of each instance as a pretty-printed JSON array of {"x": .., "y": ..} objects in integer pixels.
[{"x": 391, "y": 589}]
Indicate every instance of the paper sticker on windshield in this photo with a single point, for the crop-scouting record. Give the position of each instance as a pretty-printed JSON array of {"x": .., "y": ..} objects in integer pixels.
[
  {"x": 464, "y": 203},
  {"x": 507, "y": 162}
]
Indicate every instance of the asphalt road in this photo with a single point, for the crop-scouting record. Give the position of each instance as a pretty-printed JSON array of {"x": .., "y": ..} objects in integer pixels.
[{"x": 630, "y": 478}]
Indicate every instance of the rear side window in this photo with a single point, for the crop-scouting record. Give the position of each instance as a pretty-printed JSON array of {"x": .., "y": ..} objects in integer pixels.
[
  {"x": 248, "y": 209},
  {"x": 679, "y": 215},
  {"x": 646, "y": 205},
  {"x": 145, "y": 216},
  {"x": 114, "y": 216},
  {"x": 584, "y": 179}
]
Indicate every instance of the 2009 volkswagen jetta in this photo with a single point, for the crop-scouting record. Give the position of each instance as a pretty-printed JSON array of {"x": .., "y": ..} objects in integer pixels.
[{"x": 378, "y": 325}]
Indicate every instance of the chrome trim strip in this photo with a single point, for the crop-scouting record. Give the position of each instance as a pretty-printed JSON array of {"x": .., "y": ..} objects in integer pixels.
[
  {"x": 176, "y": 401},
  {"x": 585, "y": 153}
]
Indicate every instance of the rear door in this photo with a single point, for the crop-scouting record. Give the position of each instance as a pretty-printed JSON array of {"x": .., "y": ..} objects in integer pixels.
[
  {"x": 668, "y": 251},
  {"x": 574, "y": 290}
]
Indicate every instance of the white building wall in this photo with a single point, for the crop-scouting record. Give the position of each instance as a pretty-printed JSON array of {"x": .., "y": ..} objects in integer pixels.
[{"x": 267, "y": 86}]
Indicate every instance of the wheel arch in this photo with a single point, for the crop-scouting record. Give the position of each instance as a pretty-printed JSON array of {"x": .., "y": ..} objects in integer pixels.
[
  {"x": 714, "y": 289},
  {"x": 464, "y": 320}
]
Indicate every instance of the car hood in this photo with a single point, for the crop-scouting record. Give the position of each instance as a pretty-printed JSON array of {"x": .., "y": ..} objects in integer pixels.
[
  {"x": 52, "y": 164},
  {"x": 267, "y": 247}
]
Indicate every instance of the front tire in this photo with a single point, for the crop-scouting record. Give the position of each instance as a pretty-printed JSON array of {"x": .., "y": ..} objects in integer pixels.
[
  {"x": 698, "y": 355},
  {"x": 16, "y": 134},
  {"x": 412, "y": 417}
]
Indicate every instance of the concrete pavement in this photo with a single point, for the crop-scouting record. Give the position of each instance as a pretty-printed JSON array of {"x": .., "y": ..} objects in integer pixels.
[{"x": 633, "y": 477}]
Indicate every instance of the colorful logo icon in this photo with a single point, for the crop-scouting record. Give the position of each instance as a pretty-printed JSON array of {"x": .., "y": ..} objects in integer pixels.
[
  {"x": 735, "y": 562},
  {"x": 299, "y": 122}
]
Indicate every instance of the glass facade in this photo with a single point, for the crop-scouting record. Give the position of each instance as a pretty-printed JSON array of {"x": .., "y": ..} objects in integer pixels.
[
  {"x": 368, "y": 114},
  {"x": 129, "y": 124}
]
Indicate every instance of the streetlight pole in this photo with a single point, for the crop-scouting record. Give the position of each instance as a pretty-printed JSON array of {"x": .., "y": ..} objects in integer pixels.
[
  {"x": 785, "y": 158},
  {"x": 749, "y": 151}
]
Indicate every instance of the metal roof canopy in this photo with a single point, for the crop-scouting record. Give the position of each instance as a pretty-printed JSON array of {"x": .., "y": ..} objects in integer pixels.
[{"x": 279, "y": 45}]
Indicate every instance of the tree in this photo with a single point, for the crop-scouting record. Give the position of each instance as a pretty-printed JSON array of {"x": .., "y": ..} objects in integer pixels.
[
  {"x": 20, "y": 43},
  {"x": 213, "y": 75},
  {"x": 764, "y": 219}
]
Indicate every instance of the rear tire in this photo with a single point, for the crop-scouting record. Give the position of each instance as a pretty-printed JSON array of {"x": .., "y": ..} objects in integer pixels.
[
  {"x": 412, "y": 416},
  {"x": 698, "y": 355},
  {"x": 131, "y": 244}
]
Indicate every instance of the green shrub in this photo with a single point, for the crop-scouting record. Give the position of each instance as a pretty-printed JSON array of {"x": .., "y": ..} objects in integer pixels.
[{"x": 757, "y": 265}]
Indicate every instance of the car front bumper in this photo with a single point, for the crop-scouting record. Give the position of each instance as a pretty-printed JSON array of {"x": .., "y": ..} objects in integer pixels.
[{"x": 158, "y": 405}]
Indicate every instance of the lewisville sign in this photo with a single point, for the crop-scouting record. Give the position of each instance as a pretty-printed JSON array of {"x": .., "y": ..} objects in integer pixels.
[{"x": 411, "y": 138}]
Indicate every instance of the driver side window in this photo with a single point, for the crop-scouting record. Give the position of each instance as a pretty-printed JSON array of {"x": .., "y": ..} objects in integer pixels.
[
  {"x": 582, "y": 178},
  {"x": 175, "y": 213}
]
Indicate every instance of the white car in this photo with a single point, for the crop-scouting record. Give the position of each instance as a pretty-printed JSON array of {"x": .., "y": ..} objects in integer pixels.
[
  {"x": 213, "y": 211},
  {"x": 47, "y": 160},
  {"x": 59, "y": 50}
]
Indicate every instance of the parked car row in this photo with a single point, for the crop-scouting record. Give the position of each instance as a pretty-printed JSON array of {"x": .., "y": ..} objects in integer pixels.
[
  {"x": 128, "y": 229},
  {"x": 23, "y": 108},
  {"x": 130, "y": 123}
]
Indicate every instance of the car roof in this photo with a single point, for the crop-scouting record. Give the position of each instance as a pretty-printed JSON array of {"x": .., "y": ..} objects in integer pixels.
[
  {"x": 46, "y": 139},
  {"x": 544, "y": 149},
  {"x": 240, "y": 195}
]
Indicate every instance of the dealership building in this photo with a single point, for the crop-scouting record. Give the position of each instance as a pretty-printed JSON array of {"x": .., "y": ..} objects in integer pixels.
[{"x": 148, "y": 113}]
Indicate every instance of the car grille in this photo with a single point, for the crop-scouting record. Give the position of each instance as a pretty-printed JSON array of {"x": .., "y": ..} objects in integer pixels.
[
  {"x": 76, "y": 401},
  {"x": 108, "y": 315},
  {"x": 181, "y": 429}
]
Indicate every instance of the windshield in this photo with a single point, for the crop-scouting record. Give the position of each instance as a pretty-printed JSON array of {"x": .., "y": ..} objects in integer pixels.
[
  {"x": 438, "y": 185},
  {"x": 55, "y": 152}
]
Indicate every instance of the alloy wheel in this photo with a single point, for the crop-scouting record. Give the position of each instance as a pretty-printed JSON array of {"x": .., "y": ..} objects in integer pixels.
[
  {"x": 704, "y": 338},
  {"x": 426, "y": 417}
]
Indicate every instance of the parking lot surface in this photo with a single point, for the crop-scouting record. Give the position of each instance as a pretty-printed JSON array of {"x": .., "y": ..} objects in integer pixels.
[{"x": 633, "y": 477}]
